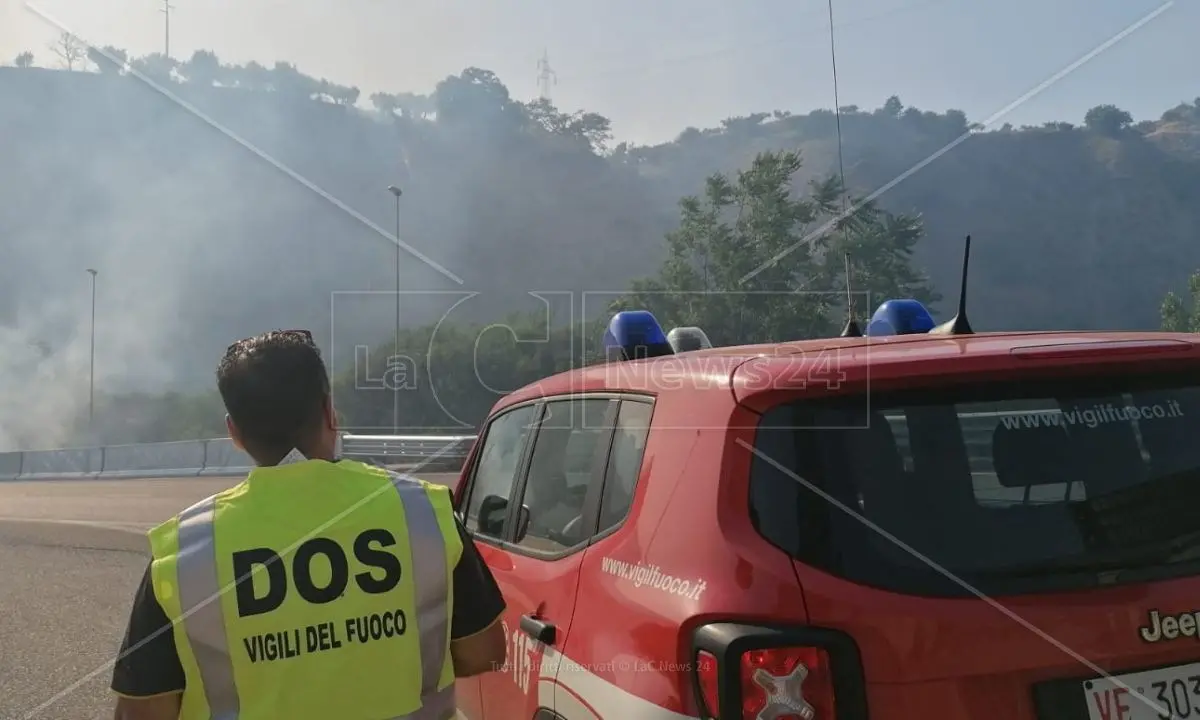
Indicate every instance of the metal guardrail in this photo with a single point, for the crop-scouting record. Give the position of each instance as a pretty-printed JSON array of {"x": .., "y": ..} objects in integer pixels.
[
  {"x": 218, "y": 457},
  {"x": 436, "y": 452},
  {"x": 977, "y": 432}
]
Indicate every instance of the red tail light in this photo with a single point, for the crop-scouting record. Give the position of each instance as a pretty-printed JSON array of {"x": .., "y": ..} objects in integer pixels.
[
  {"x": 706, "y": 678},
  {"x": 792, "y": 682},
  {"x": 747, "y": 672}
]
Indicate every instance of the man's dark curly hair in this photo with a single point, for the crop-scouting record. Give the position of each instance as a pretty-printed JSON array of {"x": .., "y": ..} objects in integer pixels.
[{"x": 275, "y": 388}]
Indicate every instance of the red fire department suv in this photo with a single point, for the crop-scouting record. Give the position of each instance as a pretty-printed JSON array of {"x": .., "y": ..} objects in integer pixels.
[{"x": 909, "y": 525}]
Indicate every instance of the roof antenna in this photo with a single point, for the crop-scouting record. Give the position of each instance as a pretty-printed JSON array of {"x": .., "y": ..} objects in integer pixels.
[
  {"x": 851, "y": 329},
  {"x": 958, "y": 324}
]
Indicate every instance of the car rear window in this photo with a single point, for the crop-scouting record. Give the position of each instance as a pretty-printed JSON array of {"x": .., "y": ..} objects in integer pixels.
[{"x": 999, "y": 484}]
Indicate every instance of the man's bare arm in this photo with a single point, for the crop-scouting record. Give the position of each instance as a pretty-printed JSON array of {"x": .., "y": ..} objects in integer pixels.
[
  {"x": 477, "y": 642},
  {"x": 148, "y": 677},
  {"x": 158, "y": 707},
  {"x": 482, "y": 652}
]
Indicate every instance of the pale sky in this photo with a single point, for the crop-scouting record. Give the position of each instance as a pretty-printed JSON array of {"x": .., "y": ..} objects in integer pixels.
[{"x": 657, "y": 66}]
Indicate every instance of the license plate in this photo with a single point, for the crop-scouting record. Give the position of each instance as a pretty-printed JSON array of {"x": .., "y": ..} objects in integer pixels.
[{"x": 1171, "y": 693}]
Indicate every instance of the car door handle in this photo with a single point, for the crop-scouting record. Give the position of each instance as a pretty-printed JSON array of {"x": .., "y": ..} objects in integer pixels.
[{"x": 540, "y": 630}]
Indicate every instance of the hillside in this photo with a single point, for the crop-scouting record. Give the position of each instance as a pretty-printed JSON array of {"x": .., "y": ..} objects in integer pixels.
[
  {"x": 199, "y": 240},
  {"x": 199, "y": 237},
  {"x": 1075, "y": 227}
]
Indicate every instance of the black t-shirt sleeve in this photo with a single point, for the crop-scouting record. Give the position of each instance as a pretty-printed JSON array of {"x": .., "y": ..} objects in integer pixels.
[
  {"x": 148, "y": 664},
  {"x": 477, "y": 599}
]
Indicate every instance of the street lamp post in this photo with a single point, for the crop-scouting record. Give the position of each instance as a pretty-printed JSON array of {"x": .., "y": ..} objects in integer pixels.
[
  {"x": 396, "y": 192},
  {"x": 92, "y": 365}
]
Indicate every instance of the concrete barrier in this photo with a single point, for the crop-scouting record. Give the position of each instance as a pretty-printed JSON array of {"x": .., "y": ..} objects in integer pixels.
[
  {"x": 69, "y": 463},
  {"x": 169, "y": 459},
  {"x": 10, "y": 465},
  {"x": 222, "y": 458},
  {"x": 213, "y": 458}
]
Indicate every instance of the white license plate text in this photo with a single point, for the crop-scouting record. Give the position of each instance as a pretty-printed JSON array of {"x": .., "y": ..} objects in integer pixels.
[{"x": 1171, "y": 693}]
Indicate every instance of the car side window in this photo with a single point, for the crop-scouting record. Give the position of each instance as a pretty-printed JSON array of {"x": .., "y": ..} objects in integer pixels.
[
  {"x": 624, "y": 462},
  {"x": 571, "y": 438},
  {"x": 496, "y": 472}
]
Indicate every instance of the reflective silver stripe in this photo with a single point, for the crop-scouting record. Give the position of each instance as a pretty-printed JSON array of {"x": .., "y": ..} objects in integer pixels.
[
  {"x": 430, "y": 579},
  {"x": 199, "y": 599},
  {"x": 204, "y": 622},
  {"x": 439, "y": 706}
]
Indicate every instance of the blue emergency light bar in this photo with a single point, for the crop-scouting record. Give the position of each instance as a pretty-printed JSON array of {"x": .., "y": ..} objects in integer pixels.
[
  {"x": 635, "y": 335},
  {"x": 900, "y": 317}
]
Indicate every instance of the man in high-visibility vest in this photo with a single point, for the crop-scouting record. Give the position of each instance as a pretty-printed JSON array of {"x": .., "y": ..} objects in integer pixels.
[{"x": 319, "y": 587}]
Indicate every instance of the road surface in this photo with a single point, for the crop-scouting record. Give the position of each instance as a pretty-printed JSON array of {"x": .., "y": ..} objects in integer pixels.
[{"x": 71, "y": 553}]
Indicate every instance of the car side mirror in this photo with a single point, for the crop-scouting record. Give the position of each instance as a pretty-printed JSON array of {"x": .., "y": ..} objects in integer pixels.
[
  {"x": 522, "y": 523},
  {"x": 493, "y": 511}
]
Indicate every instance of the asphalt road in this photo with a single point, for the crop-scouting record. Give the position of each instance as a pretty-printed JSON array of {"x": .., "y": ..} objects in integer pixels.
[{"x": 71, "y": 553}]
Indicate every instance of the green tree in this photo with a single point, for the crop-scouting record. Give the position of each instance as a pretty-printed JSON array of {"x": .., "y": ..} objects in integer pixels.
[
  {"x": 413, "y": 105},
  {"x": 591, "y": 130},
  {"x": 1183, "y": 316},
  {"x": 1107, "y": 119},
  {"x": 109, "y": 60},
  {"x": 751, "y": 262},
  {"x": 746, "y": 126},
  {"x": 253, "y": 76},
  {"x": 24, "y": 60},
  {"x": 141, "y": 417},
  {"x": 203, "y": 68},
  {"x": 385, "y": 103},
  {"x": 450, "y": 376},
  {"x": 288, "y": 80},
  {"x": 476, "y": 98},
  {"x": 892, "y": 108},
  {"x": 339, "y": 94},
  {"x": 156, "y": 66}
]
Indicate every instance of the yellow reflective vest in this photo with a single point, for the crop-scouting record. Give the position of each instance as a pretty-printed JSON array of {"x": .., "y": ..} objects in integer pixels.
[{"x": 313, "y": 590}]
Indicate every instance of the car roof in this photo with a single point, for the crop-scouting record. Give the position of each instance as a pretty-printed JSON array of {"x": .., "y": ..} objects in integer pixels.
[{"x": 712, "y": 369}]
